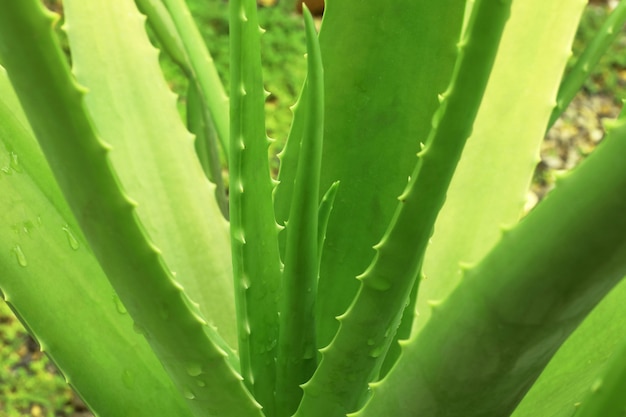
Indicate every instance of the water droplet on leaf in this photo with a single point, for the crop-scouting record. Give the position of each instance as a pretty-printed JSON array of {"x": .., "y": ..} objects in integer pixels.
[
  {"x": 119, "y": 306},
  {"x": 194, "y": 369},
  {"x": 597, "y": 384},
  {"x": 376, "y": 352},
  {"x": 15, "y": 163},
  {"x": 71, "y": 239},
  {"x": 19, "y": 255},
  {"x": 189, "y": 394}
]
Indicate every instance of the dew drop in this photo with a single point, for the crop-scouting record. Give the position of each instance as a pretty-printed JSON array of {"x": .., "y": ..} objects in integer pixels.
[
  {"x": 371, "y": 342},
  {"x": 200, "y": 383},
  {"x": 194, "y": 369},
  {"x": 71, "y": 239},
  {"x": 245, "y": 282},
  {"x": 597, "y": 384},
  {"x": 376, "y": 352},
  {"x": 15, "y": 163},
  {"x": 19, "y": 255},
  {"x": 189, "y": 394},
  {"x": 119, "y": 306},
  {"x": 28, "y": 226}
]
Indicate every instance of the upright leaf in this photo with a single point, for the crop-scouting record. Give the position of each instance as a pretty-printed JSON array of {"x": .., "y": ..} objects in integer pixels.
[
  {"x": 201, "y": 69},
  {"x": 590, "y": 57},
  {"x": 355, "y": 355},
  {"x": 375, "y": 123},
  {"x": 297, "y": 353},
  {"x": 256, "y": 261}
]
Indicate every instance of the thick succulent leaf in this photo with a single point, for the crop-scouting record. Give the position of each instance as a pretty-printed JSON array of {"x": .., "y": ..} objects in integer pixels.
[
  {"x": 190, "y": 350},
  {"x": 590, "y": 57},
  {"x": 369, "y": 103},
  {"x": 199, "y": 123},
  {"x": 574, "y": 371},
  {"x": 325, "y": 209},
  {"x": 297, "y": 356},
  {"x": 200, "y": 118},
  {"x": 499, "y": 160},
  {"x": 201, "y": 69},
  {"x": 152, "y": 153},
  {"x": 254, "y": 232},
  {"x": 488, "y": 341},
  {"x": 283, "y": 191},
  {"x": 49, "y": 276},
  {"x": 160, "y": 21},
  {"x": 356, "y": 353}
]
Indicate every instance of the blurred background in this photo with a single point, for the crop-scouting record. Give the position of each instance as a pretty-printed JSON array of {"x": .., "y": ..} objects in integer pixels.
[{"x": 29, "y": 383}]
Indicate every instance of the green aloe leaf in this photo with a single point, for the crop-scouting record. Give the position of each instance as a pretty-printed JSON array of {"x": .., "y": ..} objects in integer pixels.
[
  {"x": 297, "y": 353},
  {"x": 202, "y": 97},
  {"x": 154, "y": 157},
  {"x": 355, "y": 355},
  {"x": 165, "y": 30},
  {"x": 201, "y": 69},
  {"x": 571, "y": 378},
  {"x": 42, "y": 251},
  {"x": 500, "y": 157},
  {"x": 254, "y": 232},
  {"x": 325, "y": 210},
  {"x": 200, "y": 124},
  {"x": 586, "y": 62},
  {"x": 375, "y": 105},
  {"x": 488, "y": 341},
  {"x": 190, "y": 350}
]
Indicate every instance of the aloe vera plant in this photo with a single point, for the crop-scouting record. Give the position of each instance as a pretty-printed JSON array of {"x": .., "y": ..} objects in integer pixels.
[{"x": 388, "y": 270}]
